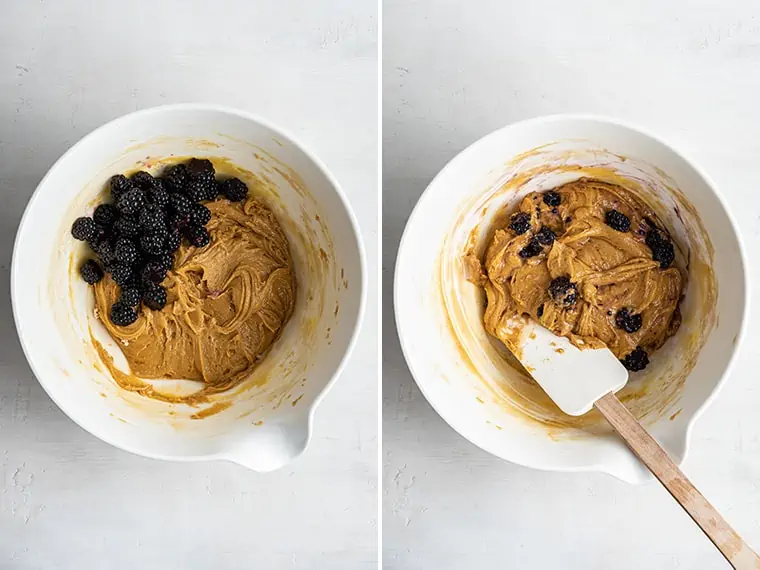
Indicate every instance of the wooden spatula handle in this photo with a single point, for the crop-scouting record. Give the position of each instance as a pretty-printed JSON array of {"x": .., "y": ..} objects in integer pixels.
[{"x": 731, "y": 545}]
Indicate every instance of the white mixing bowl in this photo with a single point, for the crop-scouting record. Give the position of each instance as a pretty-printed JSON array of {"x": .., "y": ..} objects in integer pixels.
[
  {"x": 465, "y": 374},
  {"x": 267, "y": 420}
]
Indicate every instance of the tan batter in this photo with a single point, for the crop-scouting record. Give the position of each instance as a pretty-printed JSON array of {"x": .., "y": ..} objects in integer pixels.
[
  {"x": 611, "y": 269},
  {"x": 226, "y": 303}
]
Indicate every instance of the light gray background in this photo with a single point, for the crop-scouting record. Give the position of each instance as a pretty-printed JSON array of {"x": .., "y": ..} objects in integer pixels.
[
  {"x": 454, "y": 71},
  {"x": 68, "y": 500}
]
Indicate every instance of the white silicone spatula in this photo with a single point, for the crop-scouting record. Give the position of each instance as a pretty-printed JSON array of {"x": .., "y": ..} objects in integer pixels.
[{"x": 577, "y": 380}]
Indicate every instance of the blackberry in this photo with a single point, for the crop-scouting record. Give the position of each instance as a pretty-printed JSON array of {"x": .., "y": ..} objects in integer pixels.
[
  {"x": 636, "y": 360},
  {"x": 158, "y": 197},
  {"x": 197, "y": 236},
  {"x": 545, "y": 236},
  {"x": 173, "y": 241},
  {"x": 165, "y": 261},
  {"x": 105, "y": 251},
  {"x": 532, "y": 249},
  {"x": 198, "y": 166},
  {"x": 176, "y": 178},
  {"x": 151, "y": 218},
  {"x": 661, "y": 246},
  {"x": 130, "y": 296},
  {"x": 540, "y": 311},
  {"x": 131, "y": 202},
  {"x": 154, "y": 297},
  {"x": 126, "y": 226},
  {"x": 84, "y": 229},
  {"x": 177, "y": 221},
  {"x": 519, "y": 223},
  {"x": 122, "y": 315},
  {"x": 202, "y": 187},
  {"x": 552, "y": 198},
  {"x": 180, "y": 203},
  {"x": 126, "y": 252},
  {"x": 143, "y": 180},
  {"x": 153, "y": 243},
  {"x": 665, "y": 255},
  {"x": 656, "y": 238},
  {"x": 91, "y": 272},
  {"x": 617, "y": 221},
  {"x": 200, "y": 215},
  {"x": 563, "y": 292},
  {"x": 121, "y": 274},
  {"x": 105, "y": 215},
  {"x": 153, "y": 272},
  {"x": 628, "y": 321},
  {"x": 119, "y": 185},
  {"x": 235, "y": 190}
]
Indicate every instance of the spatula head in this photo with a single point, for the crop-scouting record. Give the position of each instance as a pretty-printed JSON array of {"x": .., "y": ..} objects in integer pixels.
[{"x": 574, "y": 379}]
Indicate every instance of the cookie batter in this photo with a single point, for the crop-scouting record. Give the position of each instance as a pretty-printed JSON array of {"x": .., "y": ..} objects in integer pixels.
[
  {"x": 226, "y": 302},
  {"x": 582, "y": 272}
]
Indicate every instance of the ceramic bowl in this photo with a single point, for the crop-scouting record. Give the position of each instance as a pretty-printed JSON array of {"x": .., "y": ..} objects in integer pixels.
[
  {"x": 466, "y": 375},
  {"x": 264, "y": 422}
]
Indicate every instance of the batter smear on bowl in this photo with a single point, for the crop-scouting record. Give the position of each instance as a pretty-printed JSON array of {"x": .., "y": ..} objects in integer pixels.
[{"x": 589, "y": 262}]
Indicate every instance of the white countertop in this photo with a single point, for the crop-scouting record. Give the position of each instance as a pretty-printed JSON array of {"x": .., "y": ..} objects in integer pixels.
[
  {"x": 67, "y": 499},
  {"x": 454, "y": 71}
]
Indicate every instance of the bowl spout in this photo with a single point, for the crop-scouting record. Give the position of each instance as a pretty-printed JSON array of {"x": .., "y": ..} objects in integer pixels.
[{"x": 272, "y": 445}]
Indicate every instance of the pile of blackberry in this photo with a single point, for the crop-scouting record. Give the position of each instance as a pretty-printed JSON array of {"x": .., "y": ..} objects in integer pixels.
[{"x": 135, "y": 235}]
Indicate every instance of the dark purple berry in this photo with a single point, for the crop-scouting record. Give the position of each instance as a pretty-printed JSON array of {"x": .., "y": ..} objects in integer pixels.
[
  {"x": 119, "y": 185},
  {"x": 198, "y": 166},
  {"x": 180, "y": 203},
  {"x": 153, "y": 272},
  {"x": 105, "y": 215},
  {"x": 126, "y": 252},
  {"x": 617, "y": 221},
  {"x": 233, "y": 189},
  {"x": 105, "y": 251},
  {"x": 158, "y": 197},
  {"x": 165, "y": 261},
  {"x": 636, "y": 360},
  {"x": 661, "y": 246},
  {"x": 520, "y": 223},
  {"x": 143, "y": 180},
  {"x": 122, "y": 315},
  {"x": 552, "y": 198},
  {"x": 545, "y": 236},
  {"x": 197, "y": 236},
  {"x": 532, "y": 249},
  {"x": 126, "y": 227},
  {"x": 121, "y": 273},
  {"x": 131, "y": 202},
  {"x": 540, "y": 311},
  {"x": 200, "y": 215},
  {"x": 151, "y": 218},
  {"x": 563, "y": 292},
  {"x": 176, "y": 178},
  {"x": 628, "y": 321},
  {"x": 154, "y": 297},
  {"x": 173, "y": 240},
  {"x": 202, "y": 187},
  {"x": 153, "y": 243},
  {"x": 130, "y": 296},
  {"x": 84, "y": 229},
  {"x": 91, "y": 271}
]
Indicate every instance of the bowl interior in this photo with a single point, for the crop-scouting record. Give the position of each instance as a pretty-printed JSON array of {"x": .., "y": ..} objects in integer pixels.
[
  {"x": 54, "y": 308},
  {"x": 465, "y": 374}
]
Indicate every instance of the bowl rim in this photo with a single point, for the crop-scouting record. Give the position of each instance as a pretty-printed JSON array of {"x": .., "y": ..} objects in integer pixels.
[
  {"x": 559, "y": 118},
  {"x": 279, "y": 132}
]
